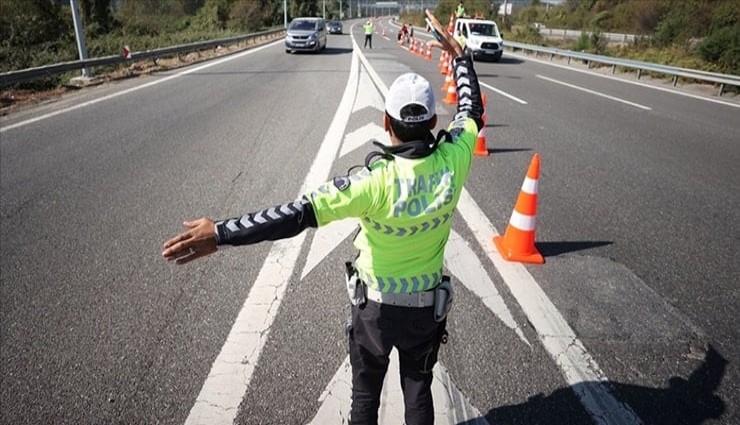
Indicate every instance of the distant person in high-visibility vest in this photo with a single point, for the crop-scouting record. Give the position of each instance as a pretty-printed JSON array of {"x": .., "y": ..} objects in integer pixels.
[
  {"x": 460, "y": 12},
  {"x": 368, "y": 34}
]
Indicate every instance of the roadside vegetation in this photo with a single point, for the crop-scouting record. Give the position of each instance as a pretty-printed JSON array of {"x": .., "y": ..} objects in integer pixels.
[{"x": 698, "y": 34}]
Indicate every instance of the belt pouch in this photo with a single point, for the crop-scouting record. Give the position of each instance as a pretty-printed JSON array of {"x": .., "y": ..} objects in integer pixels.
[
  {"x": 355, "y": 287},
  {"x": 443, "y": 296}
]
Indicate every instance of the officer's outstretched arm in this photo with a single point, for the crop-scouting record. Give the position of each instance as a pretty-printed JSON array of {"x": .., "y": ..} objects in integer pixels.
[
  {"x": 469, "y": 101},
  {"x": 280, "y": 222}
]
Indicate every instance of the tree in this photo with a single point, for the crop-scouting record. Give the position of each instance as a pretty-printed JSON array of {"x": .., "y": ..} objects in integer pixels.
[
  {"x": 30, "y": 22},
  {"x": 97, "y": 15},
  {"x": 304, "y": 8}
]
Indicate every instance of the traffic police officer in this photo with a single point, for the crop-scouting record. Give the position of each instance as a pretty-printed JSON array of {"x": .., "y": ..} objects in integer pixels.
[
  {"x": 368, "y": 27},
  {"x": 405, "y": 201},
  {"x": 460, "y": 11}
]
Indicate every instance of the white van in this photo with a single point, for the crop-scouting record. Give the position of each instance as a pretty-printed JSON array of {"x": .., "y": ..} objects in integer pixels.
[{"x": 481, "y": 37}]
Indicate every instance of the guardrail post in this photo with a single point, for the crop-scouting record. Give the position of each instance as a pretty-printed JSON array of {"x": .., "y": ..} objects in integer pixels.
[
  {"x": 552, "y": 55},
  {"x": 568, "y": 60},
  {"x": 721, "y": 89},
  {"x": 614, "y": 69},
  {"x": 639, "y": 73},
  {"x": 675, "y": 80}
]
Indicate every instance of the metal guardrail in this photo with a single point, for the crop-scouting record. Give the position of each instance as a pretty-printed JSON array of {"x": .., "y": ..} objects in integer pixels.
[
  {"x": 713, "y": 77},
  {"x": 14, "y": 77},
  {"x": 611, "y": 36}
]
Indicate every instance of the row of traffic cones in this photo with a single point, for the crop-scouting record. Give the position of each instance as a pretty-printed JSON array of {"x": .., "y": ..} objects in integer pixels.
[{"x": 416, "y": 46}]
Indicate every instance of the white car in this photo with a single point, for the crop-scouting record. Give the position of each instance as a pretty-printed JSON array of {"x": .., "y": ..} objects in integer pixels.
[{"x": 481, "y": 37}]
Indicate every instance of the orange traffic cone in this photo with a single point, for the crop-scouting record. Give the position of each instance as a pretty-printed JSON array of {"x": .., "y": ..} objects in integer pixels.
[
  {"x": 517, "y": 244},
  {"x": 429, "y": 53},
  {"x": 451, "y": 26},
  {"x": 444, "y": 64},
  {"x": 481, "y": 148},
  {"x": 451, "y": 98},
  {"x": 449, "y": 81}
]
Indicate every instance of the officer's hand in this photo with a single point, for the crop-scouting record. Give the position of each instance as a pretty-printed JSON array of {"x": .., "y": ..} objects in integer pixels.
[
  {"x": 197, "y": 242},
  {"x": 447, "y": 41}
]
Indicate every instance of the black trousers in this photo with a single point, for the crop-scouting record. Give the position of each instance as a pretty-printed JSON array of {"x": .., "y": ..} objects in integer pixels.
[
  {"x": 377, "y": 328},
  {"x": 368, "y": 39}
]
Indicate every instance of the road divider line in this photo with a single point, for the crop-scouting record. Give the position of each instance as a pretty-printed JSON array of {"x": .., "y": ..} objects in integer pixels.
[
  {"x": 502, "y": 93},
  {"x": 623, "y": 80},
  {"x": 133, "y": 89},
  {"x": 231, "y": 372},
  {"x": 595, "y": 93}
]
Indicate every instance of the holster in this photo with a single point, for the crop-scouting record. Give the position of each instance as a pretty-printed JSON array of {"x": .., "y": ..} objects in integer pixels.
[
  {"x": 443, "y": 296},
  {"x": 355, "y": 287}
]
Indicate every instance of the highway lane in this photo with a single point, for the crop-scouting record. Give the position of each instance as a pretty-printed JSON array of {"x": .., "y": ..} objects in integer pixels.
[
  {"x": 96, "y": 327},
  {"x": 113, "y": 335}
]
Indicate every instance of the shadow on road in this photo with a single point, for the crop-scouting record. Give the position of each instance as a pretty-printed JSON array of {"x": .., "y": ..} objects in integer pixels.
[
  {"x": 505, "y": 60},
  {"x": 327, "y": 51},
  {"x": 684, "y": 402},
  {"x": 507, "y": 150},
  {"x": 552, "y": 249}
]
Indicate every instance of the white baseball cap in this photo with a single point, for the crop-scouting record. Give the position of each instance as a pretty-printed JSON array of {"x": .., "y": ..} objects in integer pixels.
[{"x": 410, "y": 89}]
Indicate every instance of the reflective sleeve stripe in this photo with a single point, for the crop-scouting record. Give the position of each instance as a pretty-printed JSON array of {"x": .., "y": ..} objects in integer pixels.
[
  {"x": 522, "y": 221},
  {"x": 530, "y": 186}
]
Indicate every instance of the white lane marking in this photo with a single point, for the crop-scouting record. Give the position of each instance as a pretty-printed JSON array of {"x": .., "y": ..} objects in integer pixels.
[
  {"x": 133, "y": 89},
  {"x": 622, "y": 80},
  {"x": 450, "y": 406},
  {"x": 579, "y": 369},
  {"x": 502, "y": 93},
  {"x": 231, "y": 373},
  {"x": 596, "y": 93},
  {"x": 464, "y": 264},
  {"x": 325, "y": 239}
]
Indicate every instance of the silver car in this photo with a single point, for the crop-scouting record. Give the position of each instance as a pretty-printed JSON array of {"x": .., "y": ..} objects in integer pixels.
[{"x": 308, "y": 34}]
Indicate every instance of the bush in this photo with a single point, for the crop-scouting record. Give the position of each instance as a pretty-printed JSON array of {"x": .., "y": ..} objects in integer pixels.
[
  {"x": 527, "y": 34},
  {"x": 722, "y": 47},
  {"x": 590, "y": 43}
]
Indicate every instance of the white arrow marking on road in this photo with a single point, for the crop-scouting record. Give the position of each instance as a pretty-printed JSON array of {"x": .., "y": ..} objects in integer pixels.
[
  {"x": 325, "y": 240},
  {"x": 362, "y": 136},
  {"x": 367, "y": 94},
  {"x": 450, "y": 406},
  {"x": 465, "y": 265}
]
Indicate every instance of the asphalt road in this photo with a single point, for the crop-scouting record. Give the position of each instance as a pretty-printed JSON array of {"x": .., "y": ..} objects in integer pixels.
[{"x": 637, "y": 219}]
